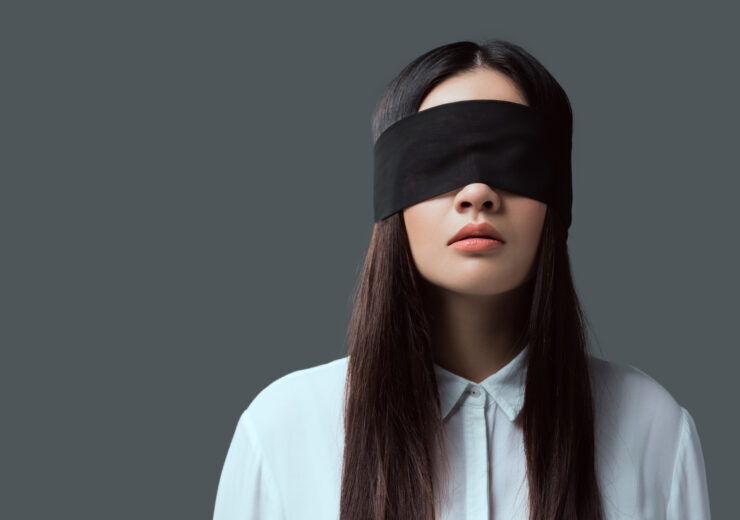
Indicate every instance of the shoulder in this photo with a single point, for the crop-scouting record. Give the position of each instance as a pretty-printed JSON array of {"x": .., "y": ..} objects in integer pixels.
[
  {"x": 631, "y": 393},
  {"x": 298, "y": 399},
  {"x": 636, "y": 413},
  {"x": 648, "y": 441}
]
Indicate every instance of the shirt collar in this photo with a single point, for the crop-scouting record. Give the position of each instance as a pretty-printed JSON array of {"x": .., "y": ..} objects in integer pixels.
[{"x": 505, "y": 387}]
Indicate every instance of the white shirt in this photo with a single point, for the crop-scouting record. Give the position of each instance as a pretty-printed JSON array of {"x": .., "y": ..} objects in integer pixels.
[{"x": 285, "y": 457}]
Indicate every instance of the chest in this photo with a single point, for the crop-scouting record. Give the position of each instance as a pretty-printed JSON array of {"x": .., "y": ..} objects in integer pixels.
[{"x": 487, "y": 463}]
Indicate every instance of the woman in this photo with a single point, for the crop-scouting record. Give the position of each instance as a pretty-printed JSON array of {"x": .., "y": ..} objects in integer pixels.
[{"x": 468, "y": 391}]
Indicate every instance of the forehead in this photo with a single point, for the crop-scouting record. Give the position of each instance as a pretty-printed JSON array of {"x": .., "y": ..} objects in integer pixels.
[{"x": 481, "y": 83}]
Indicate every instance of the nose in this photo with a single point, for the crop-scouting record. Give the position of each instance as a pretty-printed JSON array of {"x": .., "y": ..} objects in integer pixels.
[{"x": 479, "y": 196}]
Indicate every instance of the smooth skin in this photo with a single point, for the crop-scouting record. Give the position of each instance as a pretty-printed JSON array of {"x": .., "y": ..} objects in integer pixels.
[{"x": 476, "y": 298}]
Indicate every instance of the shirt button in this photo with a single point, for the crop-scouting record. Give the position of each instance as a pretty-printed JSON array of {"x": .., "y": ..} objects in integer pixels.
[{"x": 474, "y": 392}]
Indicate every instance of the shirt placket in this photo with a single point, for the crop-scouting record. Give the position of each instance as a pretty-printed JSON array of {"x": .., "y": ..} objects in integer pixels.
[{"x": 477, "y": 464}]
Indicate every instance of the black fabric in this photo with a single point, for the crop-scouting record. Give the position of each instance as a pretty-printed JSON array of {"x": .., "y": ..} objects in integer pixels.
[{"x": 503, "y": 144}]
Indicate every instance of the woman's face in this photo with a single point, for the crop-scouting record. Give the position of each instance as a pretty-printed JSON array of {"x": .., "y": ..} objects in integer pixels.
[{"x": 430, "y": 224}]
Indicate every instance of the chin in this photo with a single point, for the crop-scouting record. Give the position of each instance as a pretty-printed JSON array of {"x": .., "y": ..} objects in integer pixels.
[{"x": 475, "y": 288}]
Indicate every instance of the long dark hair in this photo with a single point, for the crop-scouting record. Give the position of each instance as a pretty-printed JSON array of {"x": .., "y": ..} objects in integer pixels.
[{"x": 393, "y": 423}]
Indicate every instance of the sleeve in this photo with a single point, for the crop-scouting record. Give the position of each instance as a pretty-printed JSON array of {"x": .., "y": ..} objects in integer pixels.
[
  {"x": 246, "y": 489},
  {"x": 689, "y": 496}
]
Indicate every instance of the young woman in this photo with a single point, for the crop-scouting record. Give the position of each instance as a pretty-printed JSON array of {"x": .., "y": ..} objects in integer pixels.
[{"x": 468, "y": 391}]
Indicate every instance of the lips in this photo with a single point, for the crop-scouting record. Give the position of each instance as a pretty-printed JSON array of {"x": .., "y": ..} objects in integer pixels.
[{"x": 479, "y": 229}]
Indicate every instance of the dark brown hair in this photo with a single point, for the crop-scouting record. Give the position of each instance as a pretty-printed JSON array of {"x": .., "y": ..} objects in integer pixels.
[{"x": 393, "y": 423}]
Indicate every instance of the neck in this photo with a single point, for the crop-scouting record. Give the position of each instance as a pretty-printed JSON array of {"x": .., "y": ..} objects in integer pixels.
[{"x": 474, "y": 336}]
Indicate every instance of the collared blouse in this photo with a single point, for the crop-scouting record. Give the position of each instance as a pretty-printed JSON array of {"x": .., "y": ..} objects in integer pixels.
[{"x": 285, "y": 457}]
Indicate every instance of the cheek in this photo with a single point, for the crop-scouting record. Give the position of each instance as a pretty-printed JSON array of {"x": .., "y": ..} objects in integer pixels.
[
  {"x": 529, "y": 216},
  {"x": 415, "y": 226},
  {"x": 420, "y": 222}
]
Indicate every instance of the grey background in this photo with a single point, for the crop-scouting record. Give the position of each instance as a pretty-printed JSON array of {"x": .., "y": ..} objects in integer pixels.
[{"x": 187, "y": 199}]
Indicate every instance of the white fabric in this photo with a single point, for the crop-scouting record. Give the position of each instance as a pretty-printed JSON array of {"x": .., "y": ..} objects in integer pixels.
[{"x": 284, "y": 461}]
